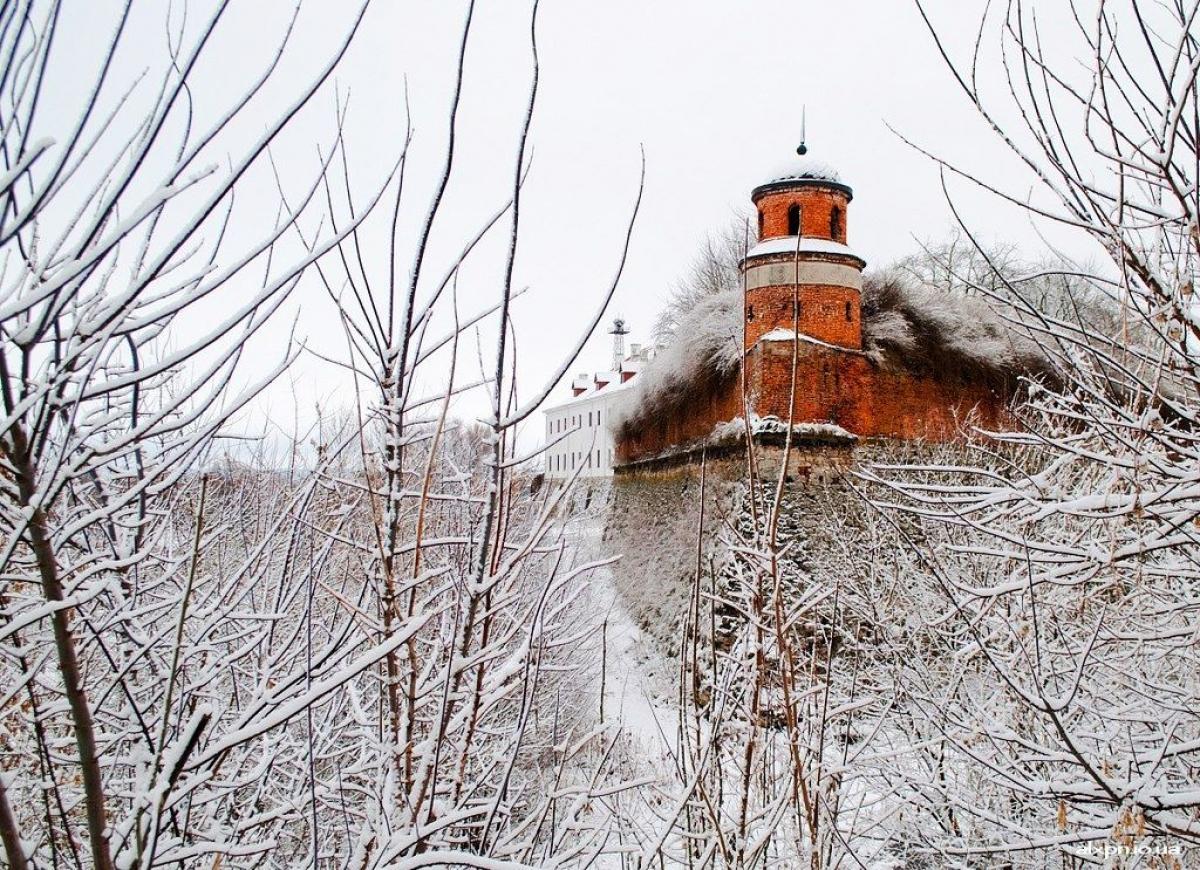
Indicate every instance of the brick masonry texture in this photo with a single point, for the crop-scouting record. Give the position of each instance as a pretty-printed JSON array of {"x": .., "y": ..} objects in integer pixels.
[
  {"x": 827, "y": 313},
  {"x": 816, "y": 212},
  {"x": 704, "y": 409},
  {"x": 846, "y": 388},
  {"x": 832, "y": 386}
]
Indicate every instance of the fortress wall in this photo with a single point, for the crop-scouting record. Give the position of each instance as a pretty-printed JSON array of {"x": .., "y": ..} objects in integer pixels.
[
  {"x": 693, "y": 421},
  {"x": 829, "y": 384},
  {"x": 654, "y": 523},
  {"x": 846, "y": 388},
  {"x": 901, "y": 405},
  {"x": 833, "y": 385}
]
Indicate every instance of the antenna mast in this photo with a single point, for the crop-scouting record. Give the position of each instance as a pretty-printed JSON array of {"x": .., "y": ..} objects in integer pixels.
[{"x": 618, "y": 332}]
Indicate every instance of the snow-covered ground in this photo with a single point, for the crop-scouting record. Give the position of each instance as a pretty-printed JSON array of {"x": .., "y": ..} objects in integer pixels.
[
  {"x": 637, "y": 687},
  {"x": 638, "y": 680}
]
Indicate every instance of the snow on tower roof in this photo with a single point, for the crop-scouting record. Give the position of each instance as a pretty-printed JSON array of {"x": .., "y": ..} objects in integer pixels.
[{"x": 804, "y": 168}]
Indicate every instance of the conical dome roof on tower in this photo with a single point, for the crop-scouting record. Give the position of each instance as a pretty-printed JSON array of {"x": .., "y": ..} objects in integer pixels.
[{"x": 802, "y": 170}]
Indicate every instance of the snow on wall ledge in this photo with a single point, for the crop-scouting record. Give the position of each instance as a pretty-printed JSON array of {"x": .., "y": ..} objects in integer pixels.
[
  {"x": 805, "y": 245},
  {"x": 728, "y": 438}
]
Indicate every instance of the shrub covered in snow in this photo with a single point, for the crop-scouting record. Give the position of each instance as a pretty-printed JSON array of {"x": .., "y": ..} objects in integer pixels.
[
  {"x": 702, "y": 355},
  {"x": 925, "y": 329}
]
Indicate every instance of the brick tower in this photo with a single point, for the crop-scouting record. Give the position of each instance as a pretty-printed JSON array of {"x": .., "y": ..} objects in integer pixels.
[
  {"x": 807, "y": 365},
  {"x": 802, "y": 241}
]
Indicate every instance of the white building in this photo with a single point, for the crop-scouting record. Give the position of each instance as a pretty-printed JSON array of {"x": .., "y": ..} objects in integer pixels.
[{"x": 577, "y": 433}]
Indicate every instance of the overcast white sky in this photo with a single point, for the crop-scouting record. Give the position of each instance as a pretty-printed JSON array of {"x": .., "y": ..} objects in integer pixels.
[{"x": 711, "y": 89}]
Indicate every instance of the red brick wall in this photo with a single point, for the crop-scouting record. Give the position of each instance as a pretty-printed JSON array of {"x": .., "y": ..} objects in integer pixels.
[
  {"x": 692, "y": 422},
  {"x": 832, "y": 386},
  {"x": 845, "y": 388},
  {"x": 829, "y": 383},
  {"x": 816, "y": 208},
  {"x": 902, "y": 405},
  {"x": 822, "y": 313}
]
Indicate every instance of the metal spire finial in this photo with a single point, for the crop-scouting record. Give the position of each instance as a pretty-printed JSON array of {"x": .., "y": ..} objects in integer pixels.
[{"x": 803, "y": 149}]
